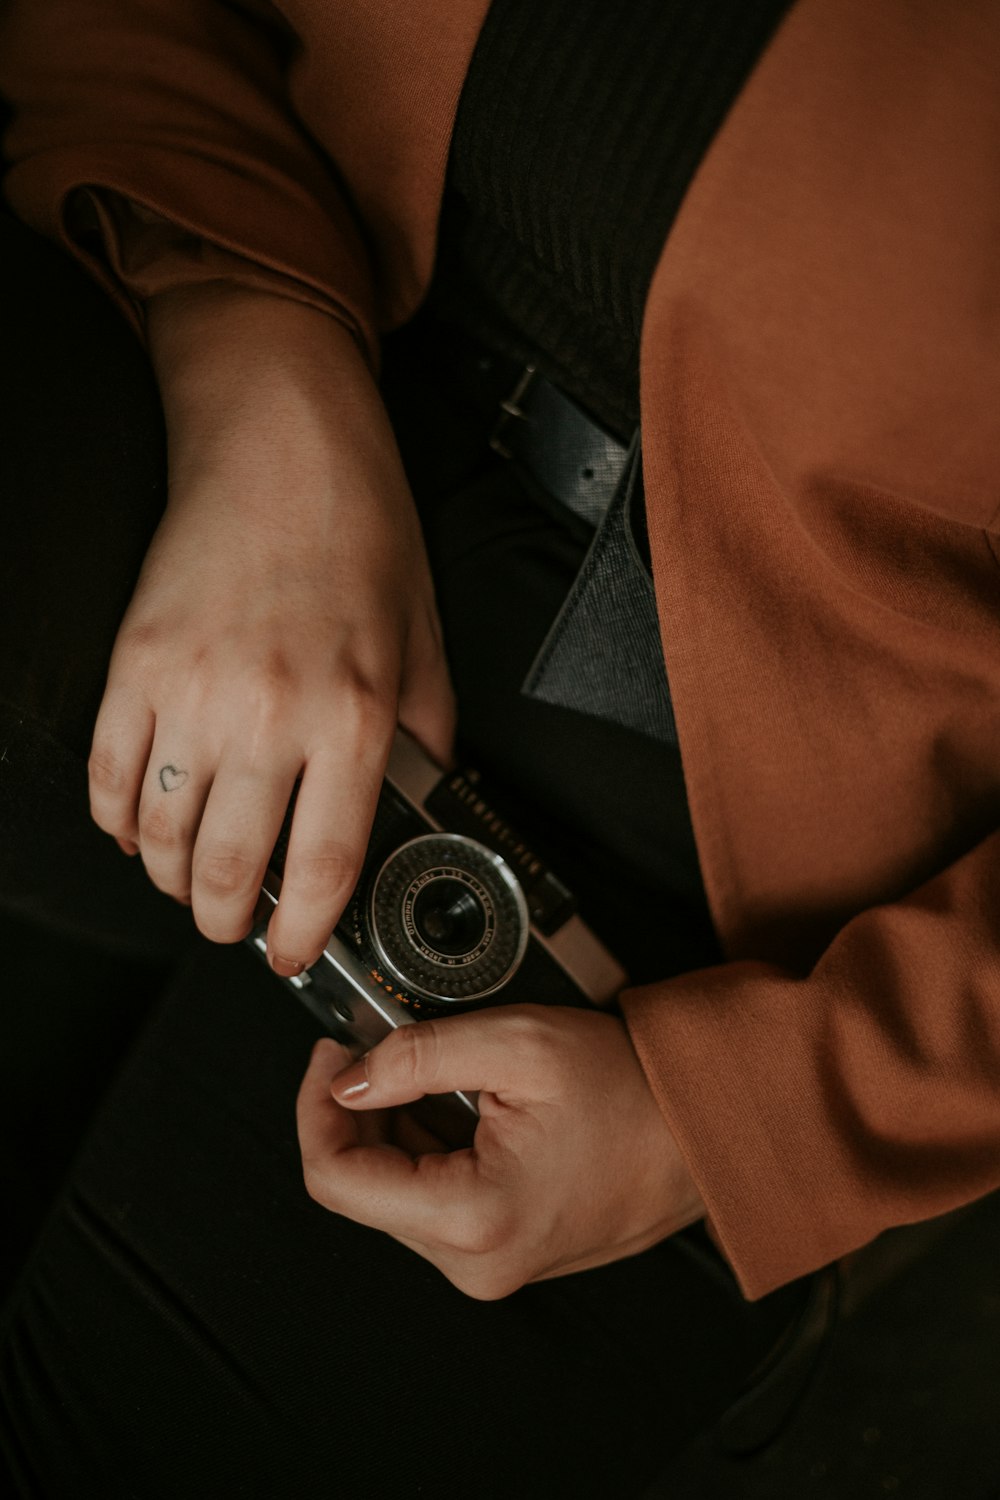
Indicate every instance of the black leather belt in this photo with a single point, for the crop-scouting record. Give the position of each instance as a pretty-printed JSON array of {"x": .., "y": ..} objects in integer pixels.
[
  {"x": 570, "y": 455},
  {"x": 603, "y": 655}
]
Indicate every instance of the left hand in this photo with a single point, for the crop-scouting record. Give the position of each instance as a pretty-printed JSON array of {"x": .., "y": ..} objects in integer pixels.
[{"x": 573, "y": 1164}]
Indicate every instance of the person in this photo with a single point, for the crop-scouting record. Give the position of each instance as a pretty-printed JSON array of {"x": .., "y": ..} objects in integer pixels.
[{"x": 788, "y": 837}]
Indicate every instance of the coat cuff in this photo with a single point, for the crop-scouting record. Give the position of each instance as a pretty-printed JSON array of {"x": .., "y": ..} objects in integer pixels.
[
  {"x": 218, "y": 230},
  {"x": 816, "y": 1111}
]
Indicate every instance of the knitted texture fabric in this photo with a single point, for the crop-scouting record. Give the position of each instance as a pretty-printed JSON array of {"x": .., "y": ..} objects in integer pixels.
[{"x": 578, "y": 132}]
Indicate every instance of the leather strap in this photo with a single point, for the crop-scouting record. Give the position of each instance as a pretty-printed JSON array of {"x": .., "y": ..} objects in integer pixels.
[
  {"x": 570, "y": 455},
  {"x": 603, "y": 656}
]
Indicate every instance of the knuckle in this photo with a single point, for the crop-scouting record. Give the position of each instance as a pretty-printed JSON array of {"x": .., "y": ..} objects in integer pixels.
[
  {"x": 474, "y": 1233},
  {"x": 314, "y": 1180},
  {"x": 488, "y": 1290},
  {"x": 413, "y": 1053},
  {"x": 276, "y": 680},
  {"x": 483, "y": 1283},
  {"x": 528, "y": 1024},
  {"x": 322, "y": 874},
  {"x": 530, "y": 1034},
  {"x": 277, "y": 669},
  {"x": 107, "y": 772},
  {"x": 158, "y": 830},
  {"x": 367, "y": 695},
  {"x": 531, "y": 1041},
  {"x": 224, "y": 873}
]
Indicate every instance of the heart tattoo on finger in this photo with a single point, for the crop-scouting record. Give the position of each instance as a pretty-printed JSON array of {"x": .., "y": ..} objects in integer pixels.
[{"x": 172, "y": 778}]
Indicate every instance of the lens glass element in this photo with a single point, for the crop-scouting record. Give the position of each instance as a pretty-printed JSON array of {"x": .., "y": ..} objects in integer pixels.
[{"x": 449, "y": 917}]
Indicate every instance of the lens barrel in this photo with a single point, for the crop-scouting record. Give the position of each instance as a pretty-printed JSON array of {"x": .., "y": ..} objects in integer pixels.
[{"x": 448, "y": 918}]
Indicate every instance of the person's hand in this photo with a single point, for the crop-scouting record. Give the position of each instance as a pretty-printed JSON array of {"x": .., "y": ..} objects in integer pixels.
[
  {"x": 573, "y": 1164},
  {"x": 283, "y": 621}
]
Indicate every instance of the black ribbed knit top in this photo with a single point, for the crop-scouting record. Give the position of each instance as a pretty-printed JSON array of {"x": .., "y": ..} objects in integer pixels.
[{"x": 579, "y": 129}]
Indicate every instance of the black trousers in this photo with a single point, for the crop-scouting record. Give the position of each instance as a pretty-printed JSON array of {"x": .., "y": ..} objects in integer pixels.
[{"x": 187, "y": 1321}]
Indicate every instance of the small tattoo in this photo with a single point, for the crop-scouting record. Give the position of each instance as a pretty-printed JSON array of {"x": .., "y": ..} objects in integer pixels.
[{"x": 172, "y": 779}]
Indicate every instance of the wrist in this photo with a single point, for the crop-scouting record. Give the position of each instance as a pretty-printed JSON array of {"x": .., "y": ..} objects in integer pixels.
[
  {"x": 273, "y": 417},
  {"x": 244, "y": 374}
]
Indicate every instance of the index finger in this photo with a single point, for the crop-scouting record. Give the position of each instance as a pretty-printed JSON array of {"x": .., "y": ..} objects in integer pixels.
[
  {"x": 331, "y": 825},
  {"x": 437, "y": 1199}
]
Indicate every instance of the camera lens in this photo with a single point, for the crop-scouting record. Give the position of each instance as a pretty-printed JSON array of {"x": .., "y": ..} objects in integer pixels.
[{"x": 449, "y": 918}]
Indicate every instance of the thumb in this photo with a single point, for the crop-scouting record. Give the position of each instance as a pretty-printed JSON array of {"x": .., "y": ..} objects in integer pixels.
[{"x": 491, "y": 1050}]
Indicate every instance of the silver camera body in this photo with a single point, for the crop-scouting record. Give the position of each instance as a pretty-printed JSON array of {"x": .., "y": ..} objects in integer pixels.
[{"x": 452, "y": 911}]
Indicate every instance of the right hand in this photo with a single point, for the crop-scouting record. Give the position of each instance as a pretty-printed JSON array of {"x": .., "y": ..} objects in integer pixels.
[{"x": 283, "y": 622}]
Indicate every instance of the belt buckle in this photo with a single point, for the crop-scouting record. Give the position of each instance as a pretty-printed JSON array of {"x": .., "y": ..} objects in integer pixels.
[{"x": 511, "y": 410}]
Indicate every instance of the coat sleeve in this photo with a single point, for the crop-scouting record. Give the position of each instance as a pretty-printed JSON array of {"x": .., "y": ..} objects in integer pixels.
[
  {"x": 180, "y": 107},
  {"x": 817, "y": 1111}
]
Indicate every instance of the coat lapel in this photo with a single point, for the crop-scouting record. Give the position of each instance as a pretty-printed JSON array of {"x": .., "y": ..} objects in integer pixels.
[{"x": 819, "y": 375}]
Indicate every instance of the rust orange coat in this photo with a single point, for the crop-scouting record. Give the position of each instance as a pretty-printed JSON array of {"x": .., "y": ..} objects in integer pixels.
[{"x": 820, "y": 389}]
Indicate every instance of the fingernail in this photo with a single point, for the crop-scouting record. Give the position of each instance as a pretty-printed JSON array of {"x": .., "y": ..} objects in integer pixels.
[
  {"x": 127, "y": 846},
  {"x": 352, "y": 1081},
  {"x": 286, "y": 967}
]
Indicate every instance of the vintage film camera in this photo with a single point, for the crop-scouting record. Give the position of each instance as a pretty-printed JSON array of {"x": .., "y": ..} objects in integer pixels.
[{"x": 452, "y": 911}]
